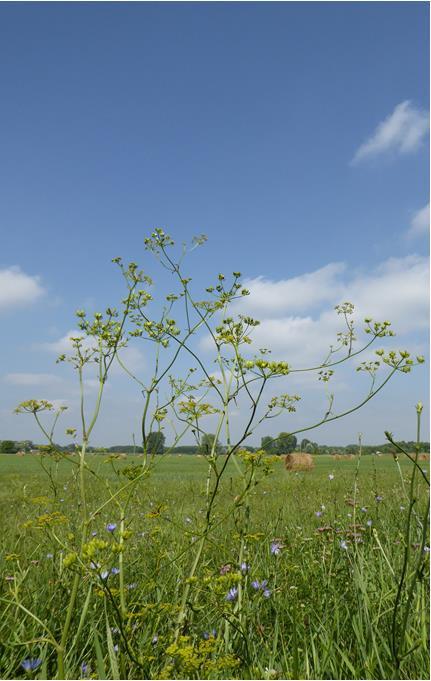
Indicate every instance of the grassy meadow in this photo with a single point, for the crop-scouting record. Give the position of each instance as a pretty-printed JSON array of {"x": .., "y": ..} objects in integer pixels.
[{"x": 297, "y": 581}]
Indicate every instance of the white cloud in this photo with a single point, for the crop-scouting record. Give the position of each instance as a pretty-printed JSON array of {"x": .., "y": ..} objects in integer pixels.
[
  {"x": 18, "y": 288},
  {"x": 420, "y": 223},
  {"x": 267, "y": 297},
  {"x": 297, "y": 340},
  {"x": 401, "y": 132},
  {"x": 64, "y": 344},
  {"x": 131, "y": 356},
  {"x": 60, "y": 402},
  {"x": 93, "y": 384},
  {"x": 396, "y": 290},
  {"x": 31, "y": 379}
]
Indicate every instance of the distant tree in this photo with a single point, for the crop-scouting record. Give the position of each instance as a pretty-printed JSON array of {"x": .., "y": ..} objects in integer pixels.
[
  {"x": 268, "y": 445},
  {"x": 185, "y": 449},
  {"x": 304, "y": 443},
  {"x": 207, "y": 444},
  {"x": 126, "y": 449},
  {"x": 156, "y": 442},
  {"x": 286, "y": 443},
  {"x": 24, "y": 445},
  {"x": 7, "y": 447}
]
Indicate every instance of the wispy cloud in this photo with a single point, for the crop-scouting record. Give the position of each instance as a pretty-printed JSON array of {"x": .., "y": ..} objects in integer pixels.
[
  {"x": 31, "y": 379},
  {"x": 131, "y": 356},
  {"x": 401, "y": 132},
  {"x": 294, "y": 294},
  {"x": 396, "y": 290},
  {"x": 64, "y": 344},
  {"x": 420, "y": 223},
  {"x": 18, "y": 288}
]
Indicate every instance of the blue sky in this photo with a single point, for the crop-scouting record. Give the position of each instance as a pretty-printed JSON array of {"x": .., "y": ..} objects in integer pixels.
[{"x": 255, "y": 123}]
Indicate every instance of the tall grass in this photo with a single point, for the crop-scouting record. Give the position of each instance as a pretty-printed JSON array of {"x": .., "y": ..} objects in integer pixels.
[{"x": 333, "y": 586}]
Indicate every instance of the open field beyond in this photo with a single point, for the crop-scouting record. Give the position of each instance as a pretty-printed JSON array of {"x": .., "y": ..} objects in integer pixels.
[{"x": 300, "y": 581}]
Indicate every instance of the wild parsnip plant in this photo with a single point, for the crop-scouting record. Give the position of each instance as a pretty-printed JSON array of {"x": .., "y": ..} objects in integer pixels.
[{"x": 123, "y": 570}]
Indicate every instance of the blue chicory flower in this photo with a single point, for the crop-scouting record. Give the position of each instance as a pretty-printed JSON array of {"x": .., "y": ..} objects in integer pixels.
[
  {"x": 111, "y": 527},
  {"x": 261, "y": 586},
  {"x": 276, "y": 548},
  {"x": 31, "y": 663},
  {"x": 232, "y": 594}
]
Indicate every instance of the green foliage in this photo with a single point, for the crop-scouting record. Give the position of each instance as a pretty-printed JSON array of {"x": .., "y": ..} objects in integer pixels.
[
  {"x": 7, "y": 446},
  {"x": 155, "y": 443},
  {"x": 304, "y": 443},
  {"x": 184, "y": 449},
  {"x": 268, "y": 445},
  {"x": 209, "y": 444},
  {"x": 284, "y": 443}
]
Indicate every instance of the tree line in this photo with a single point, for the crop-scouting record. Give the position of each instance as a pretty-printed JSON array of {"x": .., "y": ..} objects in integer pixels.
[{"x": 284, "y": 443}]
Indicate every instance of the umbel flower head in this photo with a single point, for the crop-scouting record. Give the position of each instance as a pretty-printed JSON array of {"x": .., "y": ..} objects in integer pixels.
[{"x": 34, "y": 406}]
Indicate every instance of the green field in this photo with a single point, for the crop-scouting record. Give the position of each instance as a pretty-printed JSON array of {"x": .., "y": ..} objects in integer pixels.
[{"x": 325, "y": 611}]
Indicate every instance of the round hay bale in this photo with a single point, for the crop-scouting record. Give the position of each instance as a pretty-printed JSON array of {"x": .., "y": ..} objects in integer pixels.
[{"x": 298, "y": 461}]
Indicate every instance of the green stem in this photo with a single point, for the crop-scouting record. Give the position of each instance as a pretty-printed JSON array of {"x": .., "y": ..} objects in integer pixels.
[
  {"x": 186, "y": 592},
  {"x": 66, "y": 627}
]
